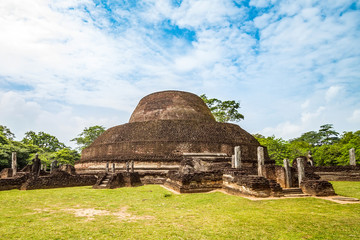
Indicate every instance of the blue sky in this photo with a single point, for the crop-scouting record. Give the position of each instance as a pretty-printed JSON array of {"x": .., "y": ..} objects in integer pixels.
[{"x": 66, "y": 65}]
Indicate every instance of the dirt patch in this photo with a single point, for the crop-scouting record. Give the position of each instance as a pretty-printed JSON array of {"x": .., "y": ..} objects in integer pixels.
[{"x": 90, "y": 213}]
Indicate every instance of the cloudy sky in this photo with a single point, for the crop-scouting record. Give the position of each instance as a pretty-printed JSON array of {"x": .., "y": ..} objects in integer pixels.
[{"x": 66, "y": 65}]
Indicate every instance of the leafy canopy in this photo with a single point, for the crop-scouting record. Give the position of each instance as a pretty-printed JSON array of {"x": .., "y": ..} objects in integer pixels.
[
  {"x": 325, "y": 136},
  {"x": 328, "y": 147},
  {"x": 47, "y": 146},
  {"x": 223, "y": 111},
  {"x": 43, "y": 140},
  {"x": 88, "y": 136}
]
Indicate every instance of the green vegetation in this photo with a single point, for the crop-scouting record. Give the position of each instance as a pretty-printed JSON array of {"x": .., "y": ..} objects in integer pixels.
[
  {"x": 327, "y": 146},
  {"x": 348, "y": 189},
  {"x": 223, "y": 111},
  {"x": 151, "y": 212},
  {"x": 47, "y": 146},
  {"x": 88, "y": 136}
]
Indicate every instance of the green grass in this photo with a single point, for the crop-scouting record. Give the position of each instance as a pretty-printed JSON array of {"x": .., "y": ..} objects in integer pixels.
[
  {"x": 155, "y": 213},
  {"x": 348, "y": 189}
]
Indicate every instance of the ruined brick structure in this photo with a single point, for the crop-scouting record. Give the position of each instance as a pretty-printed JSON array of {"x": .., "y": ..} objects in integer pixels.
[
  {"x": 173, "y": 139},
  {"x": 165, "y": 128}
]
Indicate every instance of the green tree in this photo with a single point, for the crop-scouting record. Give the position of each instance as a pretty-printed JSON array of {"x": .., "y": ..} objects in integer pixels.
[
  {"x": 43, "y": 140},
  {"x": 347, "y": 141},
  {"x": 66, "y": 156},
  {"x": 327, "y": 155},
  {"x": 278, "y": 148},
  {"x": 6, "y": 132},
  {"x": 312, "y": 137},
  {"x": 223, "y": 111},
  {"x": 8, "y": 145},
  {"x": 88, "y": 136},
  {"x": 328, "y": 135}
]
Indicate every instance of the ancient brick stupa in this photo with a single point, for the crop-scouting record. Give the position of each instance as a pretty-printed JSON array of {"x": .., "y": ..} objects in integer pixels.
[{"x": 164, "y": 128}]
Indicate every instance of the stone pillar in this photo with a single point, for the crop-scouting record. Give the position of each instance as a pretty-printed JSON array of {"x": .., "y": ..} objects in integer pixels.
[
  {"x": 261, "y": 160},
  {"x": 352, "y": 157},
  {"x": 127, "y": 166},
  {"x": 233, "y": 161},
  {"x": 301, "y": 170},
  {"x": 14, "y": 163},
  {"x": 113, "y": 167},
  {"x": 237, "y": 161},
  {"x": 132, "y": 166},
  {"x": 287, "y": 168},
  {"x": 107, "y": 167}
]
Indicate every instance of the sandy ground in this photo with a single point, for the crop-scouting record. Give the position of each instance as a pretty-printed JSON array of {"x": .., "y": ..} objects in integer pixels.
[{"x": 90, "y": 213}]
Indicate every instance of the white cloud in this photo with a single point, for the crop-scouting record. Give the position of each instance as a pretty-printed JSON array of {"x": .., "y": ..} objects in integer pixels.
[
  {"x": 259, "y": 3},
  {"x": 355, "y": 117},
  {"x": 307, "y": 117},
  {"x": 332, "y": 92},
  {"x": 198, "y": 14},
  {"x": 22, "y": 115},
  {"x": 287, "y": 66}
]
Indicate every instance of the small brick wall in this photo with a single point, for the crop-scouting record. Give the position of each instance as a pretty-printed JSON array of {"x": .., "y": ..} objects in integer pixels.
[
  {"x": 12, "y": 183},
  {"x": 194, "y": 182},
  {"x": 337, "y": 173},
  {"x": 58, "y": 179}
]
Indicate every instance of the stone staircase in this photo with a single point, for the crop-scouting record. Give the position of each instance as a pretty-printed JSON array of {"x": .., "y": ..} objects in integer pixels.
[
  {"x": 105, "y": 181},
  {"x": 294, "y": 192}
]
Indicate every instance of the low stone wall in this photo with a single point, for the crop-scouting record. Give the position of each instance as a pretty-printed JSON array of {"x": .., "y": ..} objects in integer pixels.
[
  {"x": 317, "y": 188},
  {"x": 13, "y": 182},
  {"x": 153, "y": 177},
  {"x": 194, "y": 182},
  {"x": 6, "y": 173},
  {"x": 58, "y": 179},
  {"x": 238, "y": 183},
  {"x": 337, "y": 173}
]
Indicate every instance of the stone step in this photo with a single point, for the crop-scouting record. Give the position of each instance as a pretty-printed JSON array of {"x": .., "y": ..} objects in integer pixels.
[
  {"x": 292, "y": 191},
  {"x": 105, "y": 181},
  {"x": 345, "y": 199},
  {"x": 102, "y": 185},
  {"x": 296, "y": 195}
]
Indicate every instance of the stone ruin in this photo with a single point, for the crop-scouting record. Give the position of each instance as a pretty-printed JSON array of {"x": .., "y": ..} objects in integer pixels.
[
  {"x": 35, "y": 176},
  {"x": 173, "y": 139},
  {"x": 165, "y": 128}
]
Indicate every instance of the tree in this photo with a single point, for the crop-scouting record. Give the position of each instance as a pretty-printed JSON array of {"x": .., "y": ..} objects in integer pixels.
[
  {"x": 8, "y": 145},
  {"x": 278, "y": 149},
  {"x": 312, "y": 137},
  {"x": 327, "y": 148},
  {"x": 88, "y": 136},
  {"x": 223, "y": 111},
  {"x": 43, "y": 140},
  {"x": 6, "y": 132},
  {"x": 328, "y": 135},
  {"x": 66, "y": 156}
]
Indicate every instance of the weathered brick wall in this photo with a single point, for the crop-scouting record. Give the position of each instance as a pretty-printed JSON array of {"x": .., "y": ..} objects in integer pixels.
[
  {"x": 59, "y": 179},
  {"x": 6, "y": 173},
  {"x": 12, "y": 183},
  {"x": 317, "y": 188},
  {"x": 252, "y": 185},
  {"x": 337, "y": 173},
  {"x": 168, "y": 139},
  {"x": 194, "y": 182}
]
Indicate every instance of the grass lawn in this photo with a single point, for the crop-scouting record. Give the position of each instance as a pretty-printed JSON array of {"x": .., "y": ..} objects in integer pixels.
[{"x": 151, "y": 212}]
